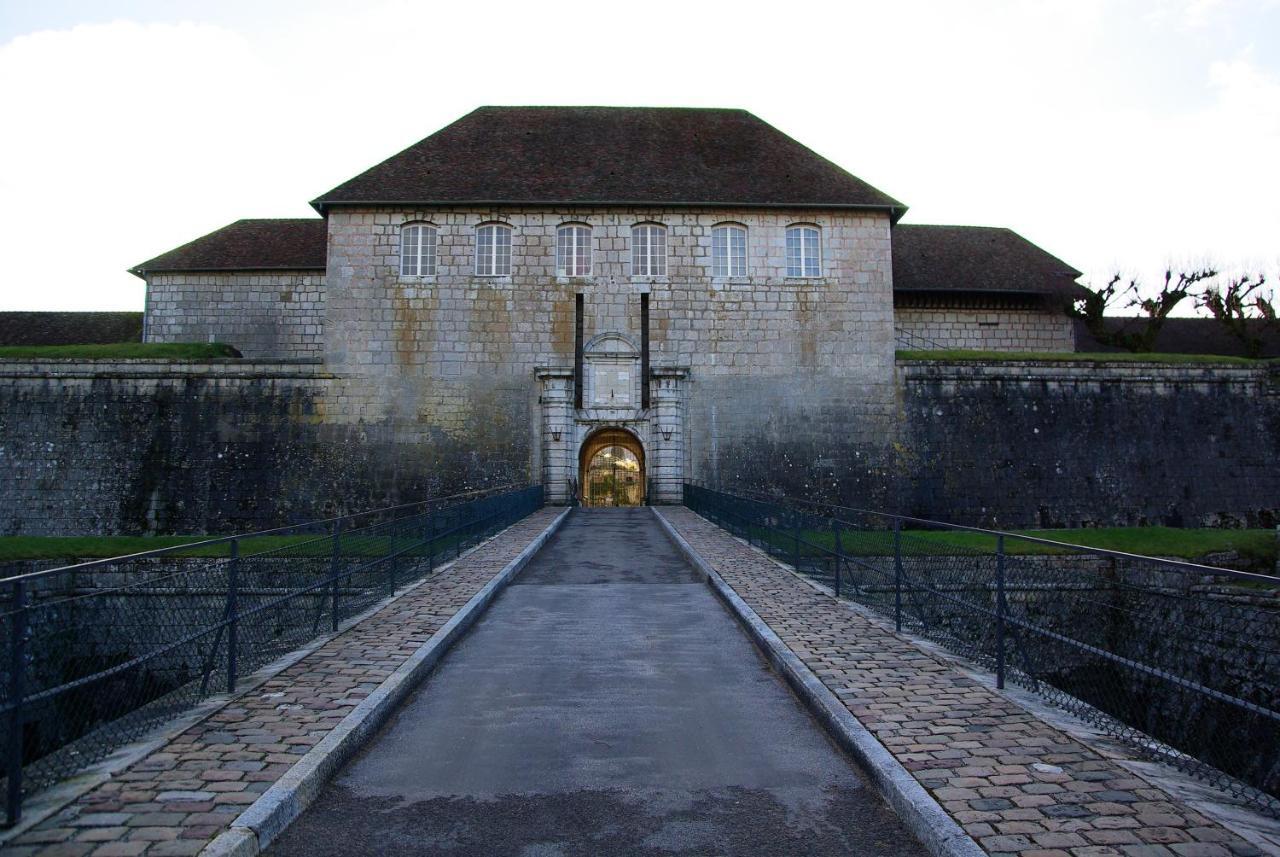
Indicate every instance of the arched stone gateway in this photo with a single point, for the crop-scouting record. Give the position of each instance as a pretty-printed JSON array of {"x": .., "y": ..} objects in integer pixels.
[
  {"x": 609, "y": 399},
  {"x": 611, "y": 467}
]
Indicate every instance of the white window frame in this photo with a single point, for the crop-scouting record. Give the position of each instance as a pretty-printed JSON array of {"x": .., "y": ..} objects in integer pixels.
[
  {"x": 418, "y": 246},
  {"x": 807, "y": 263},
  {"x": 493, "y": 250},
  {"x": 574, "y": 245},
  {"x": 725, "y": 263},
  {"x": 648, "y": 250}
]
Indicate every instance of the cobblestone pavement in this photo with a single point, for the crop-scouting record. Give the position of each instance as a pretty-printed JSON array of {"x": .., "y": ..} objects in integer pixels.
[
  {"x": 1014, "y": 783},
  {"x": 175, "y": 800}
]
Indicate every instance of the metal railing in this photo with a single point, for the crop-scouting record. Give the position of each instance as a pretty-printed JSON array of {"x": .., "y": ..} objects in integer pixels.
[
  {"x": 96, "y": 654},
  {"x": 1179, "y": 660},
  {"x": 908, "y": 340}
]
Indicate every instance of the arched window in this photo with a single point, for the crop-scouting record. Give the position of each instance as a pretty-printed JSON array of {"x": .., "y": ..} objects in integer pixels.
[
  {"x": 493, "y": 250},
  {"x": 417, "y": 250},
  {"x": 804, "y": 251},
  {"x": 573, "y": 250},
  {"x": 729, "y": 250},
  {"x": 649, "y": 250}
]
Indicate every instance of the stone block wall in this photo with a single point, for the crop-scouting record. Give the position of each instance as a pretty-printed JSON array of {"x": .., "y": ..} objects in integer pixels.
[
  {"x": 146, "y": 446},
  {"x": 265, "y": 314},
  {"x": 976, "y": 329},
  {"x": 1064, "y": 444},
  {"x": 158, "y": 446},
  {"x": 776, "y": 365}
]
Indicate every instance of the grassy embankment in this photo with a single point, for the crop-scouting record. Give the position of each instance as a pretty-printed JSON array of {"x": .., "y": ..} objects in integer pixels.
[
  {"x": 1078, "y": 357},
  {"x": 1257, "y": 546},
  {"x": 121, "y": 351},
  {"x": 77, "y": 548}
]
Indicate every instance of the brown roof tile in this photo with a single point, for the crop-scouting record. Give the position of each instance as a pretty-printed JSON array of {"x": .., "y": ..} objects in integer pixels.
[
  {"x": 976, "y": 259},
  {"x": 597, "y": 155},
  {"x": 249, "y": 245}
]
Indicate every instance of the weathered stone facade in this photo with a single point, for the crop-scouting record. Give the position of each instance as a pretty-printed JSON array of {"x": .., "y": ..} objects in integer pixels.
[
  {"x": 759, "y": 357},
  {"x": 265, "y": 314}
]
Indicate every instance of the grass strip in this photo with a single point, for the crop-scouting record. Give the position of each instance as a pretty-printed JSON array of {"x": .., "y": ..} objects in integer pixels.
[{"x": 121, "y": 351}]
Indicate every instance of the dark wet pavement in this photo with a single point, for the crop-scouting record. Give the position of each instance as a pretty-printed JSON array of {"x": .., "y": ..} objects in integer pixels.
[{"x": 606, "y": 704}]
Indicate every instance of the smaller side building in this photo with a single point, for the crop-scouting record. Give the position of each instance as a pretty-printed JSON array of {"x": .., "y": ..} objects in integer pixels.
[
  {"x": 258, "y": 285},
  {"x": 979, "y": 288}
]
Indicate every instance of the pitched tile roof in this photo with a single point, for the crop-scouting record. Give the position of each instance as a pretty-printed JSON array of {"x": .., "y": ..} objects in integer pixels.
[
  {"x": 976, "y": 259},
  {"x": 249, "y": 245},
  {"x": 69, "y": 328},
  {"x": 598, "y": 155}
]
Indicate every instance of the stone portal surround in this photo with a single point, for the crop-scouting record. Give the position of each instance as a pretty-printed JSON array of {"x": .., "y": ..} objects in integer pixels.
[
  {"x": 178, "y": 798},
  {"x": 975, "y": 751}
]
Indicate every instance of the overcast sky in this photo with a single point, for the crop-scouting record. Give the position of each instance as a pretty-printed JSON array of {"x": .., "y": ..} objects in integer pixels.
[{"x": 1118, "y": 136}]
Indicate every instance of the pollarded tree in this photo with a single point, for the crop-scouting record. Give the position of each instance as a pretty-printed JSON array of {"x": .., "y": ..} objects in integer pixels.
[
  {"x": 1244, "y": 309},
  {"x": 1139, "y": 332}
]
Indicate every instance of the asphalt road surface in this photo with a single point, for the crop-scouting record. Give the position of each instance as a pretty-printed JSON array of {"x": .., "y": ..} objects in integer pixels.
[{"x": 606, "y": 704}]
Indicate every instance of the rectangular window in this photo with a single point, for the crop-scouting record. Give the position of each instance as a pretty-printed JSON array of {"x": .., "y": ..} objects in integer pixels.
[
  {"x": 729, "y": 251},
  {"x": 573, "y": 251},
  {"x": 804, "y": 252},
  {"x": 493, "y": 250},
  {"x": 409, "y": 252},
  {"x": 417, "y": 250},
  {"x": 648, "y": 251}
]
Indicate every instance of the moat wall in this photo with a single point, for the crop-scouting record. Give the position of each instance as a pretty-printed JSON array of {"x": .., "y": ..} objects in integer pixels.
[
  {"x": 1067, "y": 444},
  {"x": 143, "y": 446},
  {"x": 153, "y": 446}
]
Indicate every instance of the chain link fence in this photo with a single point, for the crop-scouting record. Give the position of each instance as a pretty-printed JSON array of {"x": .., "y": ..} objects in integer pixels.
[
  {"x": 1181, "y": 661},
  {"x": 95, "y": 655}
]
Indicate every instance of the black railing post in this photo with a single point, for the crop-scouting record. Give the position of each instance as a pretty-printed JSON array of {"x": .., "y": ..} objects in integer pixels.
[
  {"x": 897, "y": 574},
  {"x": 795, "y": 558},
  {"x": 1000, "y": 612},
  {"x": 233, "y": 614},
  {"x": 17, "y": 675},
  {"x": 333, "y": 573},
  {"x": 835, "y": 525},
  {"x": 391, "y": 563}
]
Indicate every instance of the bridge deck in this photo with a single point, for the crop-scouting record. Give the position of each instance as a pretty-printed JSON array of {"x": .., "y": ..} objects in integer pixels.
[
  {"x": 606, "y": 704},
  {"x": 178, "y": 798},
  {"x": 990, "y": 763},
  {"x": 974, "y": 750}
]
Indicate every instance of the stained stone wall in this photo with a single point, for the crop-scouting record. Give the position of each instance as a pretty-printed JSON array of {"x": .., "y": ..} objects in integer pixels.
[
  {"x": 776, "y": 365},
  {"x": 265, "y": 314},
  {"x": 1066, "y": 444},
  {"x": 150, "y": 446}
]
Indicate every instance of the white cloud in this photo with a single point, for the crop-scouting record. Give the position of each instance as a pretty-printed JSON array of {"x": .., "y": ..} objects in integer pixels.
[{"x": 1112, "y": 139}]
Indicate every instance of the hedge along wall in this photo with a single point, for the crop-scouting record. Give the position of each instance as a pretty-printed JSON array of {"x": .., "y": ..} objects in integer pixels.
[
  {"x": 1060, "y": 444},
  {"x": 153, "y": 446}
]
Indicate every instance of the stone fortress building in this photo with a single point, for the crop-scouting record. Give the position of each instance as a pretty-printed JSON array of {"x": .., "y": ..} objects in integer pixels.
[{"x": 551, "y": 291}]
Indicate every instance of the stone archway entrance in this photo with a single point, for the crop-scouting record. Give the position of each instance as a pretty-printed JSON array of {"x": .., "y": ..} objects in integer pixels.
[{"x": 611, "y": 469}]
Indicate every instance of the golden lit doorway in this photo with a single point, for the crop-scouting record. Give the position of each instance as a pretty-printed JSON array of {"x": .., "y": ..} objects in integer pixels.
[{"x": 612, "y": 469}]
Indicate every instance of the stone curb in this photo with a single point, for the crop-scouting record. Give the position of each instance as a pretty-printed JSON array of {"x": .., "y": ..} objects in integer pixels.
[
  {"x": 268, "y": 816},
  {"x": 923, "y": 815}
]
